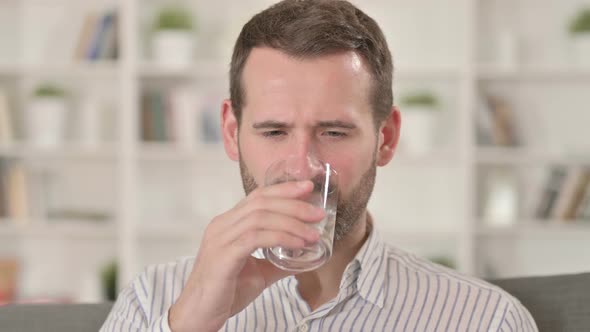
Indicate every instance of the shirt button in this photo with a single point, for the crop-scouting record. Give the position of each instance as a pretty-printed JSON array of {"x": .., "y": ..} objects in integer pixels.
[{"x": 303, "y": 328}]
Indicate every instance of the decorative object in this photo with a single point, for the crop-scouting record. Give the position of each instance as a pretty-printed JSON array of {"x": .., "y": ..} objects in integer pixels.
[
  {"x": 90, "y": 122},
  {"x": 419, "y": 122},
  {"x": 46, "y": 116},
  {"x": 174, "y": 39},
  {"x": 580, "y": 30},
  {"x": 109, "y": 276}
]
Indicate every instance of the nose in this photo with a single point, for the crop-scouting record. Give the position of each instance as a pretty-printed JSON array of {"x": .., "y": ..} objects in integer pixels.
[{"x": 304, "y": 156}]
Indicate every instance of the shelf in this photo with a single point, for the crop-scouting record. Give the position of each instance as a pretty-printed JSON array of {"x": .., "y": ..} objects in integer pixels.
[
  {"x": 174, "y": 231},
  {"x": 69, "y": 152},
  {"x": 539, "y": 72},
  {"x": 578, "y": 228},
  {"x": 414, "y": 72},
  {"x": 430, "y": 160},
  {"x": 57, "y": 229},
  {"x": 171, "y": 152},
  {"x": 199, "y": 69},
  {"x": 418, "y": 235},
  {"x": 526, "y": 156},
  {"x": 78, "y": 69}
]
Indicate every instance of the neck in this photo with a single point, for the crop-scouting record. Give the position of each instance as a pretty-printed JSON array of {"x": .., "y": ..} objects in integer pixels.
[{"x": 322, "y": 285}]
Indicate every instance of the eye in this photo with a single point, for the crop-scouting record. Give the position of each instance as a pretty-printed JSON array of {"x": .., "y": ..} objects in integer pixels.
[
  {"x": 332, "y": 133},
  {"x": 274, "y": 133}
]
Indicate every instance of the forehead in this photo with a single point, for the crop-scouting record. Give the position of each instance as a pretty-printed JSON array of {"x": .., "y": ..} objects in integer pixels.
[{"x": 278, "y": 83}]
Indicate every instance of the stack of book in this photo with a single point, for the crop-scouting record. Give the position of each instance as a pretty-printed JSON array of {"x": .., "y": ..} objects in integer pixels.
[
  {"x": 566, "y": 194},
  {"x": 180, "y": 116},
  {"x": 495, "y": 122},
  {"x": 98, "y": 37},
  {"x": 8, "y": 280},
  {"x": 13, "y": 192},
  {"x": 6, "y": 125}
]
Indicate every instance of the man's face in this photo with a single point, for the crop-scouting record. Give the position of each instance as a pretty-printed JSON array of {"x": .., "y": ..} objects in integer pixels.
[{"x": 314, "y": 106}]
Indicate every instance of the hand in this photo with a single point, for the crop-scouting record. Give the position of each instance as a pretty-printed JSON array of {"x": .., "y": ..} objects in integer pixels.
[{"x": 225, "y": 277}]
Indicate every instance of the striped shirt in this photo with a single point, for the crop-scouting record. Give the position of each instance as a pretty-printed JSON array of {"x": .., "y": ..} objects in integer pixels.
[{"x": 382, "y": 289}]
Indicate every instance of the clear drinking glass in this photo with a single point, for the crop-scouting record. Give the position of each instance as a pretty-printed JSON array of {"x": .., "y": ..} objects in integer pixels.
[{"x": 324, "y": 195}]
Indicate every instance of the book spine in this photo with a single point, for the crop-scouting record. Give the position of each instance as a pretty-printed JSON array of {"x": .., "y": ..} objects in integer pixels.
[
  {"x": 3, "y": 191},
  {"x": 108, "y": 38},
  {"x": 86, "y": 33},
  {"x": 146, "y": 121},
  {"x": 6, "y": 130},
  {"x": 551, "y": 192},
  {"x": 94, "y": 50}
]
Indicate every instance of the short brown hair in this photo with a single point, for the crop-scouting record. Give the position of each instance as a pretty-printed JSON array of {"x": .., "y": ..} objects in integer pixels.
[{"x": 310, "y": 28}]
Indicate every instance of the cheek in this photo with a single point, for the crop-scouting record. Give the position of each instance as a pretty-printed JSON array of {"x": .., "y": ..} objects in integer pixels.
[
  {"x": 255, "y": 160},
  {"x": 350, "y": 168}
]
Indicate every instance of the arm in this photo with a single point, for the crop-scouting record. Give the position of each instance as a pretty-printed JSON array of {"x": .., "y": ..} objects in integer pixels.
[{"x": 517, "y": 318}]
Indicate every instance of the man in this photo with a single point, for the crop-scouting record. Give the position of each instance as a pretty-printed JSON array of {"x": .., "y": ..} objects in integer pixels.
[{"x": 309, "y": 77}]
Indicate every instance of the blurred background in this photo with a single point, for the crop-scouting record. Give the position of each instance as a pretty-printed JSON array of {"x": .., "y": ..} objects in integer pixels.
[{"x": 110, "y": 154}]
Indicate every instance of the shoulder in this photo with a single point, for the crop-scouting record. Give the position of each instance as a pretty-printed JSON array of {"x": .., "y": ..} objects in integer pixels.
[
  {"x": 422, "y": 268},
  {"x": 416, "y": 275},
  {"x": 158, "y": 285}
]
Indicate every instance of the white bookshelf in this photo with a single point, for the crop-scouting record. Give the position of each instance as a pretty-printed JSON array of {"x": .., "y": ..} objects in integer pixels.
[{"x": 426, "y": 204}]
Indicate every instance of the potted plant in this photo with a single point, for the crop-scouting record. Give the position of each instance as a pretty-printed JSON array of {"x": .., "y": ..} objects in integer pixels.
[
  {"x": 46, "y": 115},
  {"x": 580, "y": 31},
  {"x": 419, "y": 118},
  {"x": 109, "y": 275},
  {"x": 173, "y": 40}
]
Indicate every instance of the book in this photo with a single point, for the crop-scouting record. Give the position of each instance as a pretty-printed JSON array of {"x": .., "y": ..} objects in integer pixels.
[
  {"x": 146, "y": 118},
  {"x": 184, "y": 104},
  {"x": 17, "y": 193},
  {"x": 579, "y": 191},
  {"x": 6, "y": 126},
  {"x": 86, "y": 34},
  {"x": 566, "y": 192},
  {"x": 108, "y": 42},
  {"x": 99, "y": 36},
  {"x": 503, "y": 132},
  {"x": 484, "y": 123},
  {"x": 8, "y": 280},
  {"x": 3, "y": 191},
  {"x": 157, "y": 110},
  {"x": 583, "y": 212},
  {"x": 550, "y": 192}
]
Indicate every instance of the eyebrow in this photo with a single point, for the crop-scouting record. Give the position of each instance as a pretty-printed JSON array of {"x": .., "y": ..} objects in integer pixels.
[
  {"x": 270, "y": 124},
  {"x": 336, "y": 124},
  {"x": 322, "y": 124}
]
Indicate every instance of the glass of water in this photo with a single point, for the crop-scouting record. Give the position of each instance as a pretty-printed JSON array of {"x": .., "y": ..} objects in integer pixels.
[{"x": 324, "y": 195}]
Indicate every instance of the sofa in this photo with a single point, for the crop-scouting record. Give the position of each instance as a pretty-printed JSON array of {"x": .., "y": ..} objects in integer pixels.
[{"x": 558, "y": 304}]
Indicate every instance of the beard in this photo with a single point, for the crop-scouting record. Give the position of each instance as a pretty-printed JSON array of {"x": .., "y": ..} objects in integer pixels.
[{"x": 350, "y": 208}]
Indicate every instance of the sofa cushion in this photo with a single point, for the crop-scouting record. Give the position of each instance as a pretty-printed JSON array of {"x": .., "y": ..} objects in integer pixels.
[
  {"x": 557, "y": 303},
  {"x": 53, "y": 317}
]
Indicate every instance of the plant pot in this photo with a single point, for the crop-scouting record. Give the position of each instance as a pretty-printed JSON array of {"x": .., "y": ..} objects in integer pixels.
[
  {"x": 581, "y": 45},
  {"x": 45, "y": 121},
  {"x": 418, "y": 129},
  {"x": 173, "y": 48}
]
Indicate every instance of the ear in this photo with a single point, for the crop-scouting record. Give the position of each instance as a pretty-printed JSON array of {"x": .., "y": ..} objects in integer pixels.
[
  {"x": 229, "y": 131},
  {"x": 389, "y": 132}
]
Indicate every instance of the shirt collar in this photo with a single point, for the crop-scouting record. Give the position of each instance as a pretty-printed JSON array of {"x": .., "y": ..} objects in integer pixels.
[{"x": 367, "y": 271}]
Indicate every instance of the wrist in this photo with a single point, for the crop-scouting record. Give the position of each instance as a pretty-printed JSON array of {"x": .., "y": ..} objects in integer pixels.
[{"x": 181, "y": 320}]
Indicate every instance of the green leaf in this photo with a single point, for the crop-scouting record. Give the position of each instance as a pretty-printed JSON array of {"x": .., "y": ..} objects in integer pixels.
[
  {"x": 581, "y": 22},
  {"x": 174, "y": 18}
]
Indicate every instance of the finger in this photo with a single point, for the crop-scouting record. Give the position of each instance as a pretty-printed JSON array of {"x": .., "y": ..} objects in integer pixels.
[
  {"x": 294, "y": 208},
  {"x": 252, "y": 240},
  {"x": 263, "y": 220},
  {"x": 283, "y": 190},
  {"x": 289, "y": 189}
]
